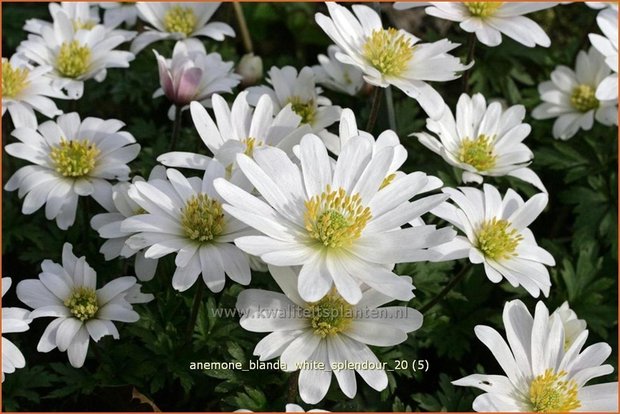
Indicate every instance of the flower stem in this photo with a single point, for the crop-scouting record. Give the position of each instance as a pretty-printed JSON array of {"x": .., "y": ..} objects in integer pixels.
[
  {"x": 374, "y": 109},
  {"x": 243, "y": 28},
  {"x": 292, "y": 387},
  {"x": 471, "y": 47},
  {"x": 195, "y": 306},
  {"x": 176, "y": 127},
  {"x": 445, "y": 290},
  {"x": 389, "y": 103}
]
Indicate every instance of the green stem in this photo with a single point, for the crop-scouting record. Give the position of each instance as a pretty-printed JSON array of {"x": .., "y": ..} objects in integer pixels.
[
  {"x": 389, "y": 103},
  {"x": 471, "y": 47},
  {"x": 194, "y": 315},
  {"x": 374, "y": 109},
  {"x": 176, "y": 128},
  {"x": 243, "y": 28},
  {"x": 445, "y": 290}
]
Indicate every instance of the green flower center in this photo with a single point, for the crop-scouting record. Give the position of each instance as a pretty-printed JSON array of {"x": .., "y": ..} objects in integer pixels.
[
  {"x": 550, "y": 394},
  {"x": 86, "y": 25},
  {"x": 180, "y": 19},
  {"x": 73, "y": 59},
  {"x": 388, "y": 51},
  {"x": 250, "y": 145},
  {"x": 584, "y": 99},
  {"x": 496, "y": 239},
  {"x": 478, "y": 153},
  {"x": 330, "y": 315},
  {"x": 14, "y": 80},
  {"x": 82, "y": 303},
  {"x": 305, "y": 109},
  {"x": 334, "y": 218},
  {"x": 74, "y": 158},
  {"x": 483, "y": 8},
  {"x": 202, "y": 218}
]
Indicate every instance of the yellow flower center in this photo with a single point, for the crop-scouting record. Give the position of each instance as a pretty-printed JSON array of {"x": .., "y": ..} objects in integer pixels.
[
  {"x": 305, "y": 109},
  {"x": 74, "y": 158},
  {"x": 584, "y": 99},
  {"x": 82, "y": 303},
  {"x": 496, "y": 239},
  {"x": 250, "y": 145},
  {"x": 330, "y": 315},
  {"x": 478, "y": 153},
  {"x": 336, "y": 219},
  {"x": 202, "y": 218},
  {"x": 550, "y": 394},
  {"x": 73, "y": 59},
  {"x": 86, "y": 25},
  {"x": 387, "y": 181},
  {"x": 483, "y": 8},
  {"x": 180, "y": 19},
  {"x": 388, "y": 51},
  {"x": 14, "y": 80}
]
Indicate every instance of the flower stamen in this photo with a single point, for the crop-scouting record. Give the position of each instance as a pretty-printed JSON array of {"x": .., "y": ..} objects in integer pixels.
[
  {"x": 497, "y": 240},
  {"x": 334, "y": 218},
  {"x": 550, "y": 394},
  {"x": 14, "y": 80},
  {"x": 74, "y": 158},
  {"x": 478, "y": 153},
  {"x": 584, "y": 99},
  {"x": 73, "y": 59},
  {"x": 330, "y": 315},
  {"x": 202, "y": 218},
  {"x": 180, "y": 19},
  {"x": 483, "y": 9},
  {"x": 389, "y": 51},
  {"x": 305, "y": 109},
  {"x": 82, "y": 303}
]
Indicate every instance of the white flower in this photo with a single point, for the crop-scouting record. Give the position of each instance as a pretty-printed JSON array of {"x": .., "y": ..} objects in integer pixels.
[
  {"x": 178, "y": 21},
  {"x": 108, "y": 225},
  {"x": 497, "y": 235},
  {"x": 390, "y": 56},
  {"x": 117, "y": 13},
  {"x": 339, "y": 222},
  {"x": 192, "y": 75},
  {"x": 71, "y": 159},
  {"x": 541, "y": 375},
  {"x": 482, "y": 140},
  {"x": 301, "y": 92},
  {"x": 83, "y": 16},
  {"x": 75, "y": 55},
  {"x": 573, "y": 327},
  {"x": 238, "y": 130},
  {"x": 488, "y": 20},
  {"x": 185, "y": 216},
  {"x": 290, "y": 408},
  {"x": 69, "y": 293},
  {"x": 570, "y": 96},
  {"x": 336, "y": 75},
  {"x": 13, "y": 320},
  {"x": 329, "y": 331},
  {"x": 598, "y": 5},
  {"x": 26, "y": 88},
  {"x": 608, "y": 45}
]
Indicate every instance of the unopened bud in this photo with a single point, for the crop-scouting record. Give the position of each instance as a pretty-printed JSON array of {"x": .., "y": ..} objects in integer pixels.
[{"x": 250, "y": 67}]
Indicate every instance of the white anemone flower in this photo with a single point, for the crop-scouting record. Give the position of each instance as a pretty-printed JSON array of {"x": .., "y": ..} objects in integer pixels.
[
  {"x": 599, "y": 5},
  {"x": 608, "y": 46},
  {"x": 69, "y": 293},
  {"x": 185, "y": 216},
  {"x": 337, "y": 221},
  {"x": 239, "y": 129},
  {"x": 490, "y": 19},
  {"x": 178, "y": 21},
  {"x": 570, "y": 96},
  {"x": 391, "y": 56},
  {"x": 108, "y": 225},
  {"x": 116, "y": 13},
  {"x": 193, "y": 75},
  {"x": 329, "y": 331},
  {"x": 541, "y": 375},
  {"x": 300, "y": 91},
  {"x": 75, "y": 55},
  {"x": 71, "y": 158},
  {"x": 573, "y": 327},
  {"x": 83, "y": 15},
  {"x": 13, "y": 320},
  {"x": 497, "y": 236},
  {"x": 482, "y": 140},
  {"x": 289, "y": 408},
  {"x": 338, "y": 76},
  {"x": 26, "y": 89}
]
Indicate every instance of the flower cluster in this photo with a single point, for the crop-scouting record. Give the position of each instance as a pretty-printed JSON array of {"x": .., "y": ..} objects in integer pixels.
[{"x": 287, "y": 183}]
